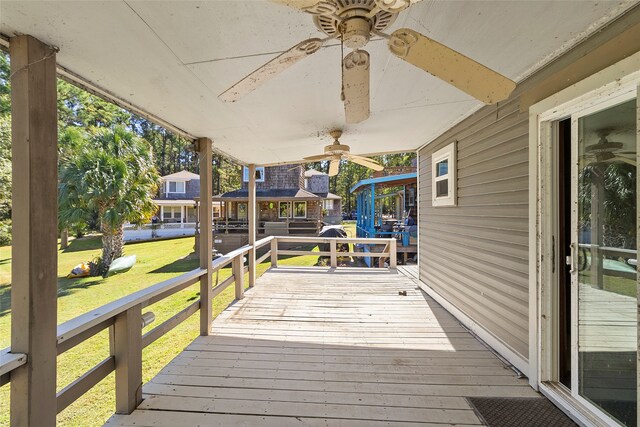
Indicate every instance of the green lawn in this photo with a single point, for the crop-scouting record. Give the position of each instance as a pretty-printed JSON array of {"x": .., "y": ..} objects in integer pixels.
[{"x": 157, "y": 261}]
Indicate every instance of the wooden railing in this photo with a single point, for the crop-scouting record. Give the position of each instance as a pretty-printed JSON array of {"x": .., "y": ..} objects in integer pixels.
[
  {"x": 388, "y": 250},
  {"x": 125, "y": 318}
]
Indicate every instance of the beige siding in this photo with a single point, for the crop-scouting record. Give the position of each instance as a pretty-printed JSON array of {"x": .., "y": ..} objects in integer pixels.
[{"x": 476, "y": 254}]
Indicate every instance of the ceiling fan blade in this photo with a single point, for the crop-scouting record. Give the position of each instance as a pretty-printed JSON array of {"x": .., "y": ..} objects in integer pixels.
[
  {"x": 355, "y": 86},
  {"x": 315, "y": 7},
  {"x": 366, "y": 162},
  {"x": 271, "y": 69},
  {"x": 368, "y": 159},
  {"x": 317, "y": 158},
  {"x": 334, "y": 167},
  {"x": 627, "y": 160},
  {"x": 453, "y": 67},
  {"x": 395, "y": 6}
]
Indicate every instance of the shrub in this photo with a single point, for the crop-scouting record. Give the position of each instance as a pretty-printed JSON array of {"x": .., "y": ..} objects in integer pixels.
[{"x": 5, "y": 232}]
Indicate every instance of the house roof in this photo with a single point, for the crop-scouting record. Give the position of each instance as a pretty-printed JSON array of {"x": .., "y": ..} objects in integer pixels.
[
  {"x": 405, "y": 178},
  {"x": 181, "y": 176},
  {"x": 312, "y": 172},
  {"x": 170, "y": 60},
  {"x": 329, "y": 196},
  {"x": 271, "y": 194}
]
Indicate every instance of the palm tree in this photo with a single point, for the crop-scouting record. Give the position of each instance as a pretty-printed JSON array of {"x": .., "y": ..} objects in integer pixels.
[{"x": 112, "y": 174}]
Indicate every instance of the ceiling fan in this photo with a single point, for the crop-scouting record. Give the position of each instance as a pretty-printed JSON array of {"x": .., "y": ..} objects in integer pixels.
[
  {"x": 354, "y": 22},
  {"x": 336, "y": 152},
  {"x": 607, "y": 152}
]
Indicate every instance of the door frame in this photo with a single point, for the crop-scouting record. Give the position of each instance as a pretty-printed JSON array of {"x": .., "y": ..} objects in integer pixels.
[{"x": 607, "y": 87}]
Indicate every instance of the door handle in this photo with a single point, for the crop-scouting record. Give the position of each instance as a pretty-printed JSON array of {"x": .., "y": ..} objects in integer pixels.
[{"x": 571, "y": 258}]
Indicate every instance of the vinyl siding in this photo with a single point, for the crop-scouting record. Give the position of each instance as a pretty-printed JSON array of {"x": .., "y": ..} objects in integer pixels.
[{"x": 475, "y": 254}]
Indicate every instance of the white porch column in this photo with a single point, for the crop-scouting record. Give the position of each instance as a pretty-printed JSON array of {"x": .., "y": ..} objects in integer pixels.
[
  {"x": 203, "y": 146},
  {"x": 35, "y": 226},
  {"x": 251, "y": 212}
]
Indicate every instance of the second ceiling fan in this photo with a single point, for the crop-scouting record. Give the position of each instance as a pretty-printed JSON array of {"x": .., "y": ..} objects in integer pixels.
[
  {"x": 336, "y": 152},
  {"x": 354, "y": 22}
]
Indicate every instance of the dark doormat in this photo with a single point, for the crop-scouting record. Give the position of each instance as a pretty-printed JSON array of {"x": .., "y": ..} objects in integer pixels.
[{"x": 519, "y": 412}]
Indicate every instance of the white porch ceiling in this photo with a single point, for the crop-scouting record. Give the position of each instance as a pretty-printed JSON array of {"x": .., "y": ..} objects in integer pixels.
[{"x": 173, "y": 58}]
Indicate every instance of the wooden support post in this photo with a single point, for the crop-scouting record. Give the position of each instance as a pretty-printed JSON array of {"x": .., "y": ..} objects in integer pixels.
[
  {"x": 127, "y": 347},
  {"x": 252, "y": 224},
  {"x": 206, "y": 233},
  {"x": 393, "y": 254},
  {"x": 333, "y": 245},
  {"x": 35, "y": 229},
  {"x": 238, "y": 275},
  {"x": 274, "y": 252}
]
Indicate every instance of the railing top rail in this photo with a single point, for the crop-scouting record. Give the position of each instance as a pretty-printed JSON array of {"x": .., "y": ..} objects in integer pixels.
[
  {"x": 363, "y": 240},
  {"x": 263, "y": 242},
  {"x": 10, "y": 361},
  {"x": 77, "y": 325}
]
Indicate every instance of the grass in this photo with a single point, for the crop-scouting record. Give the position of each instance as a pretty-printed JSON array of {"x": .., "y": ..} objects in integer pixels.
[{"x": 157, "y": 261}]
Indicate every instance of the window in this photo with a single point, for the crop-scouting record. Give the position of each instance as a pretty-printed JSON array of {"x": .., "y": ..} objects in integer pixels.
[
  {"x": 171, "y": 214},
  {"x": 283, "y": 209},
  {"x": 328, "y": 204},
  {"x": 175, "y": 187},
  {"x": 443, "y": 164},
  {"x": 242, "y": 211},
  {"x": 299, "y": 209},
  {"x": 259, "y": 174},
  {"x": 411, "y": 196}
]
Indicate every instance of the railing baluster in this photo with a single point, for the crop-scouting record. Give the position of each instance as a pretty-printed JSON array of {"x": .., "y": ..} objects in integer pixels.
[
  {"x": 333, "y": 245},
  {"x": 127, "y": 346},
  {"x": 393, "y": 254},
  {"x": 238, "y": 275},
  {"x": 274, "y": 252}
]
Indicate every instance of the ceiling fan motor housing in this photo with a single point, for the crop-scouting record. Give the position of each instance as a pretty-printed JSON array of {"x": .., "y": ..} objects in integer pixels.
[
  {"x": 336, "y": 149},
  {"x": 355, "y": 32},
  {"x": 349, "y": 10}
]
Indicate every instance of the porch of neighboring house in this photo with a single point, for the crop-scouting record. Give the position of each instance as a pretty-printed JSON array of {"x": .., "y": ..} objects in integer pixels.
[
  {"x": 283, "y": 216},
  {"x": 320, "y": 346}
]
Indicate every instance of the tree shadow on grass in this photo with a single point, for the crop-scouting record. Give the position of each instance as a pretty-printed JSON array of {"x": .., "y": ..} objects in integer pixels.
[
  {"x": 66, "y": 287},
  {"x": 84, "y": 244},
  {"x": 182, "y": 265}
]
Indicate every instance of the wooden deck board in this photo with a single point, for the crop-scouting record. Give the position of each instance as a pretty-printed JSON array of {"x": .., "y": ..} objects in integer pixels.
[{"x": 313, "y": 346}]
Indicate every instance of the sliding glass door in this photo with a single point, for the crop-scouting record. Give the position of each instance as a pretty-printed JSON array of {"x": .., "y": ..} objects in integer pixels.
[{"x": 603, "y": 258}]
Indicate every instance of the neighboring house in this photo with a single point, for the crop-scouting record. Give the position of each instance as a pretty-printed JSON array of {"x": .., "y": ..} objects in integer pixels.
[
  {"x": 176, "y": 199},
  {"x": 177, "y": 214},
  {"x": 290, "y": 202}
]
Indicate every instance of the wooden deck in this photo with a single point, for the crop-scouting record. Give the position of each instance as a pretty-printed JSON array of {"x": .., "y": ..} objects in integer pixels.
[{"x": 314, "y": 346}]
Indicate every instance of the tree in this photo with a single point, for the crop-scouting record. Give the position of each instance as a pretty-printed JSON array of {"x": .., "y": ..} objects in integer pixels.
[{"x": 113, "y": 174}]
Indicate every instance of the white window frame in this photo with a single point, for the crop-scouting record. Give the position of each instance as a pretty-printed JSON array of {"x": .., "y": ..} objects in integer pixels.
[
  {"x": 447, "y": 153},
  {"x": 293, "y": 209},
  {"x": 259, "y": 174},
  {"x": 288, "y": 210},
  {"x": 184, "y": 187}
]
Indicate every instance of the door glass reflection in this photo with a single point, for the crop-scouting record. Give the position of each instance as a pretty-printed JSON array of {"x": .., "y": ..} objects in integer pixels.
[{"x": 607, "y": 277}]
